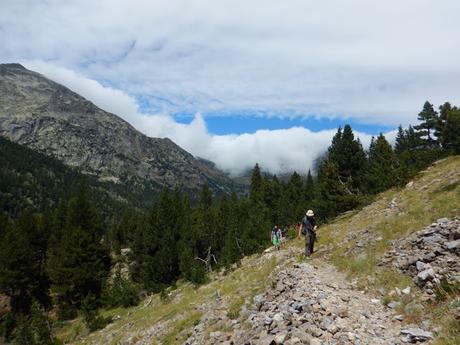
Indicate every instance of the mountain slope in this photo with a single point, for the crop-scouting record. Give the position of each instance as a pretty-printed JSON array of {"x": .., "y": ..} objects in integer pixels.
[
  {"x": 31, "y": 180},
  {"x": 46, "y": 116},
  {"x": 273, "y": 296}
]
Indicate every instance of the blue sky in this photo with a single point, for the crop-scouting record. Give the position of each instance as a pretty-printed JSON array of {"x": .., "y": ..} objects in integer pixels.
[
  {"x": 240, "y": 82},
  {"x": 238, "y": 124}
]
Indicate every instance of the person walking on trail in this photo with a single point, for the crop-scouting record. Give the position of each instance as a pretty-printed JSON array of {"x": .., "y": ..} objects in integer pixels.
[
  {"x": 276, "y": 237},
  {"x": 284, "y": 232},
  {"x": 308, "y": 228}
]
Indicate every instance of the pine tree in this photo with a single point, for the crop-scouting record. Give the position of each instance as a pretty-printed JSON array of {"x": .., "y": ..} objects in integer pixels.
[
  {"x": 256, "y": 189},
  {"x": 22, "y": 264},
  {"x": 401, "y": 144},
  {"x": 428, "y": 117},
  {"x": 333, "y": 196},
  {"x": 349, "y": 156},
  {"x": 231, "y": 251},
  {"x": 309, "y": 188},
  {"x": 78, "y": 263},
  {"x": 295, "y": 197},
  {"x": 448, "y": 128},
  {"x": 382, "y": 168}
]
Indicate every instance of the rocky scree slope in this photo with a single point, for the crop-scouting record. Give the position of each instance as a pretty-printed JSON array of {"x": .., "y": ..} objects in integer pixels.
[
  {"x": 429, "y": 256},
  {"x": 46, "y": 116}
]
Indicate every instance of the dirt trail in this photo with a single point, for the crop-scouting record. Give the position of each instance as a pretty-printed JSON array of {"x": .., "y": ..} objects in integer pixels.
[{"x": 312, "y": 303}]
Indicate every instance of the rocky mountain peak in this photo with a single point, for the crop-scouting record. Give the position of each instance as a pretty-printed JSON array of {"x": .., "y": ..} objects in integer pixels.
[{"x": 46, "y": 116}]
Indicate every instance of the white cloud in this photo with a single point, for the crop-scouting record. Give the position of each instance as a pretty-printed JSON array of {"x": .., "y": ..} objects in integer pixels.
[
  {"x": 374, "y": 61},
  {"x": 277, "y": 151}
]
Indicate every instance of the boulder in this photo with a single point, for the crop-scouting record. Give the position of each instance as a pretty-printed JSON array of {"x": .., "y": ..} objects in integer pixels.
[
  {"x": 453, "y": 245},
  {"x": 425, "y": 275},
  {"x": 416, "y": 334}
]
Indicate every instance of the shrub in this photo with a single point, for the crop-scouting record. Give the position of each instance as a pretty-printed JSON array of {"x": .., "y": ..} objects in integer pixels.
[
  {"x": 121, "y": 293},
  {"x": 90, "y": 314}
]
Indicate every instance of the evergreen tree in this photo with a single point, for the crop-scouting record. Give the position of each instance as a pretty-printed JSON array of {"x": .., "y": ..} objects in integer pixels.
[
  {"x": 382, "y": 168},
  {"x": 348, "y": 155},
  {"x": 256, "y": 188},
  {"x": 190, "y": 268},
  {"x": 231, "y": 251},
  {"x": 448, "y": 128},
  {"x": 22, "y": 264},
  {"x": 428, "y": 117},
  {"x": 309, "y": 188},
  {"x": 295, "y": 198},
  {"x": 401, "y": 143},
  {"x": 78, "y": 262},
  {"x": 334, "y": 195}
]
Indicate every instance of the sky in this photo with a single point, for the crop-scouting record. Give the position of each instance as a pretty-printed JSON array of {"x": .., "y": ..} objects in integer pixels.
[{"x": 239, "y": 82}]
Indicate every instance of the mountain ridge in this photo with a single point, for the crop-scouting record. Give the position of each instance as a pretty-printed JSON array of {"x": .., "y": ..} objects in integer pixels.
[{"x": 46, "y": 116}]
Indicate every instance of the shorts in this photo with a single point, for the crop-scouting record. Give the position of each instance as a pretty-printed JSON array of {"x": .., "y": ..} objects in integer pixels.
[{"x": 276, "y": 241}]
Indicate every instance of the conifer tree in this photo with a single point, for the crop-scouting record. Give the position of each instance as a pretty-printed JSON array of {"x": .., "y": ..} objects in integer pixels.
[
  {"x": 256, "y": 188},
  {"x": 22, "y": 264},
  {"x": 78, "y": 262},
  {"x": 231, "y": 251},
  {"x": 334, "y": 195},
  {"x": 428, "y": 117},
  {"x": 295, "y": 197},
  {"x": 382, "y": 168},
  {"x": 309, "y": 188},
  {"x": 348, "y": 155},
  {"x": 448, "y": 128}
]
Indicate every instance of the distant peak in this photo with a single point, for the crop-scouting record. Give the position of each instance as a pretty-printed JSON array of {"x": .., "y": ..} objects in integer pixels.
[{"x": 12, "y": 65}]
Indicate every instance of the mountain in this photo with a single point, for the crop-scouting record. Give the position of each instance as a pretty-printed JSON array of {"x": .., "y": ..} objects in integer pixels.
[
  {"x": 48, "y": 117},
  {"x": 32, "y": 180}
]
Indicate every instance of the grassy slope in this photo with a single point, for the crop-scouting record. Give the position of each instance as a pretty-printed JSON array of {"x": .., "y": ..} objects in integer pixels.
[
  {"x": 434, "y": 194},
  {"x": 175, "y": 315}
]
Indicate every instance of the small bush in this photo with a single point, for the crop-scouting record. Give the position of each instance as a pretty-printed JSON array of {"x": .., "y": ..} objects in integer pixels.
[
  {"x": 90, "y": 314},
  {"x": 445, "y": 289},
  {"x": 121, "y": 293},
  {"x": 235, "y": 309}
]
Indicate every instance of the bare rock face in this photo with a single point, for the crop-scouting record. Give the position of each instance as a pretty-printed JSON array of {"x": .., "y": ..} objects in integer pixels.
[{"x": 46, "y": 116}]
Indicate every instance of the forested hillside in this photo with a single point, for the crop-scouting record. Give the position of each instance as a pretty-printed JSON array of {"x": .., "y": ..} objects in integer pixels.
[
  {"x": 34, "y": 181},
  {"x": 59, "y": 243}
]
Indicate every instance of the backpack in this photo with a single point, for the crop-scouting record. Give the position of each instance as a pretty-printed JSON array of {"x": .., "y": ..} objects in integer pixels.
[{"x": 304, "y": 225}]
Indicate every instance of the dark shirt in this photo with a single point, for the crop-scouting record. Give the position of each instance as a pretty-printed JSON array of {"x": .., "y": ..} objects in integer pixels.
[{"x": 309, "y": 223}]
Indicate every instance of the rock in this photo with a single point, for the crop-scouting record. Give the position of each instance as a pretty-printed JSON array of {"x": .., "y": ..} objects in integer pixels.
[
  {"x": 406, "y": 291},
  {"x": 453, "y": 245},
  {"x": 426, "y": 275},
  {"x": 265, "y": 340},
  {"x": 420, "y": 265},
  {"x": 416, "y": 334},
  {"x": 259, "y": 300},
  {"x": 278, "y": 317},
  {"x": 280, "y": 338},
  {"x": 443, "y": 220},
  {"x": 394, "y": 305},
  {"x": 314, "y": 341},
  {"x": 215, "y": 335},
  {"x": 399, "y": 317}
]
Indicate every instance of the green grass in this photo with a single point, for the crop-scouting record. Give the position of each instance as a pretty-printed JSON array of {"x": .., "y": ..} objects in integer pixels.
[
  {"x": 180, "y": 311},
  {"x": 181, "y": 329},
  {"x": 435, "y": 194}
]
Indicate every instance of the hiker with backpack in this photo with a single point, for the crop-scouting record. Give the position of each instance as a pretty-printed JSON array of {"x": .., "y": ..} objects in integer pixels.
[
  {"x": 276, "y": 237},
  {"x": 308, "y": 228}
]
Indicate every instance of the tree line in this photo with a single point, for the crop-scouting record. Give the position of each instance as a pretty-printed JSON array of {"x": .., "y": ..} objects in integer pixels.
[{"x": 61, "y": 257}]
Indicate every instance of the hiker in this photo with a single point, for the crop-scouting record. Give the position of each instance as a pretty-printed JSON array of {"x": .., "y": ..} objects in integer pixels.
[
  {"x": 284, "y": 233},
  {"x": 308, "y": 228},
  {"x": 276, "y": 237}
]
